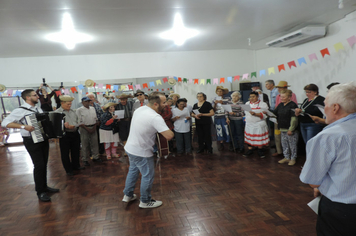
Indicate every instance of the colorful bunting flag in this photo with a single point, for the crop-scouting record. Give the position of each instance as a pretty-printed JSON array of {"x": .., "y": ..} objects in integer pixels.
[
  {"x": 262, "y": 72},
  {"x": 229, "y": 79},
  {"x": 236, "y": 77},
  {"x": 108, "y": 86},
  {"x": 165, "y": 80},
  {"x": 312, "y": 57},
  {"x": 80, "y": 86},
  {"x": 291, "y": 63},
  {"x": 324, "y": 52},
  {"x": 17, "y": 94},
  {"x": 138, "y": 86},
  {"x": 215, "y": 81},
  {"x": 145, "y": 85},
  {"x": 66, "y": 92},
  {"x": 116, "y": 87},
  {"x": 123, "y": 87},
  {"x": 352, "y": 40},
  {"x": 202, "y": 81},
  {"x": 208, "y": 81},
  {"x": 190, "y": 81},
  {"x": 281, "y": 67},
  {"x": 253, "y": 74},
  {"x": 338, "y": 47},
  {"x": 301, "y": 61},
  {"x": 185, "y": 80},
  {"x": 58, "y": 93},
  {"x": 174, "y": 77},
  {"x": 245, "y": 76},
  {"x": 73, "y": 89},
  {"x": 196, "y": 81},
  {"x": 158, "y": 82},
  {"x": 222, "y": 80},
  {"x": 100, "y": 86},
  {"x": 271, "y": 71},
  {"x": 179, "y": 79},
  {"x": 130, "y": 87},
  {"x": 152, "y": 84}
]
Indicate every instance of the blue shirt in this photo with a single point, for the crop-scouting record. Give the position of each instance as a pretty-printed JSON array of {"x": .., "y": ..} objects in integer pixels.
[
  {"x": 274, "y": 93},
  {"x": 331, "y": 161}
]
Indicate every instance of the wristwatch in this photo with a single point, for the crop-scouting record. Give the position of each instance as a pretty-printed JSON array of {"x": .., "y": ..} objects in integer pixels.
[{"x": 22, "y": 127}]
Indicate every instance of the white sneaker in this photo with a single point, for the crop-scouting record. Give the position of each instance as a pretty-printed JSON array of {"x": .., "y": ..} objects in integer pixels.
[
  {"x": 151, "y": 204},
  {"x": 129, "y": 199}
]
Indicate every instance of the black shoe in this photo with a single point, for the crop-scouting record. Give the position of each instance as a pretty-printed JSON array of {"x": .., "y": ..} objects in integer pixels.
[
  {"x": 97, "y": 160},
  {"x": 44, "y": 197},
  {"x": 80, "y": 168},
  {"x": 261, "y": 153},
  {"x": 70, "y": 173},
  {"x": 86, "y": 163},
  {"x": 248, "y": 153},
  {"x": 200, "y": 151},
  {"x": 210, "y": 151},
  {"x": 221, "y": 147},
  {"x": 52, "y": 190},
  {"x": 241, "y": 150}
]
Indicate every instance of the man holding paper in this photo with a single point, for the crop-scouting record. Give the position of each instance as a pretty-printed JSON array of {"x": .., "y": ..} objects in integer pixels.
[
  {"x": 330, "y": 167},
  {"x": 126, "y": 107}
]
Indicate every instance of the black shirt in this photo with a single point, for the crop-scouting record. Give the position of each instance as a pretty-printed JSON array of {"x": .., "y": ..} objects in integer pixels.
[
  {"x": 308, "y": 107},
  {"x": 205, "y": 108},
  {"x": 284, "y": 114}
]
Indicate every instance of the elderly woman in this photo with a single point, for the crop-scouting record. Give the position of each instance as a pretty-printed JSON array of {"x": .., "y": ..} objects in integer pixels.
[
  {"x": 256, "y": 130},
  {"x": 181, "y": 117},
  {"x": 287, "y": 123},
  {"x": 307, "y": 126},
  {"x": 45, "y": 98},
  {"x": 107, "y": 136},
  {"x": 222, "y": 130},
  {"x": 235, "y": 120},
  {"x": 204, "y": 112}
]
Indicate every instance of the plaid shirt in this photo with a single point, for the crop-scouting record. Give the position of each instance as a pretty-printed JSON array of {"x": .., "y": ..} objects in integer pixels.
[
  {"x": 167, "y": 116},
  {"x": 98, "y": 110},
  {"x": 127, "y": 108}
]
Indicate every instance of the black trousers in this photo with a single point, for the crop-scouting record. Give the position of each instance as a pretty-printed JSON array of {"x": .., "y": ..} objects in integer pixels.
[
  {"x": 70, "y": 144},
  {"x": 336, "y": 219},
  {"x": 39, "y": 156},
  {"x": 101, "y": 145},
  {"x": 124, "y": 129},
  {"x": 204, "y": 136}
]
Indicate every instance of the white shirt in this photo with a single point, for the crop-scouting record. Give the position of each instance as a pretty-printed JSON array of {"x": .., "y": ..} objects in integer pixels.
[
  {"x": 256, "y": 107},
  {"x": 181, "y": 125},
  {"x": 86, "y": 116},
  {"x": 145, "y": 123},
  {"x": 17, "y": 116}
]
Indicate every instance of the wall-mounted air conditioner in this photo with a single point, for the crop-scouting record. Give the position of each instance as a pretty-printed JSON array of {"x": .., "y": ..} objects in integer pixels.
[{"x": 303, "y": 35}]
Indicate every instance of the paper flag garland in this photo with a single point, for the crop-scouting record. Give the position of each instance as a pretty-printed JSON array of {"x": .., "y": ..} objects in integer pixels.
[
  {"x": 237, "y": 77},
  {"x": 208, "y": 81},
  {"x": 312, "y": 57},
  {"x": 116, "y": 87},
  {"x": 324, "y": 52},
  {"x": 229, "y": 79},
  {"x": 179, "y": 79},
  {"x": 352, "y": 40},
  {"x": 202, "y": 81},
  {"x": 291, "y": 63},
  {"x": 215, "y": 81},
  {"x": 262, "y": 72},
  {"x": 185, "y": 80},
  {"x": 281, "y": 67},
  {"x": 108, "y": 86},
  {"x": 165, "y": 80},
  {"x": 152, "y": 84},
  {"x": 158, "y": 82},
  {"x": 222, "y": 80},
  {"x": 190, "y": 81},
  {"x": 73, "y": 89},
  {"x": 145, "y": 85},
  {"x": 245, "y": 76},
  {"x": 271, "y": 70},
  {"x": 338, "y": 47},
  {"x": 301, "y": 61},
  {"x": 58, "y": 93},
  {"x": 253, "y": 74},
  {"x": 195, "y": 81},
  {"x": 100, "y": 86},
  {"x": 130, "y": 87},
  {"x": 80, "y": 86},
  {"x": 66, "y": 92}
]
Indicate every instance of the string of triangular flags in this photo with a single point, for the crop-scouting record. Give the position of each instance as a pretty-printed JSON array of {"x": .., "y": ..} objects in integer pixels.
[{"x": 150, "y": 86}]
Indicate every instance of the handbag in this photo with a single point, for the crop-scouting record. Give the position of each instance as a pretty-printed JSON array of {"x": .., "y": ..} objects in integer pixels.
[{"x": 115, "y": 127}]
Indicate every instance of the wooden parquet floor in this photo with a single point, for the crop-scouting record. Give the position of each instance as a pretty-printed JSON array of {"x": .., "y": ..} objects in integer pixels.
[{"x": 220, "y": 194}]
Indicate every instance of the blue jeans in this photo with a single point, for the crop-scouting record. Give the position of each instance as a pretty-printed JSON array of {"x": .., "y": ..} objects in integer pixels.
[
  {"x": 183, "y": 140},
  {"x": 237, "y": 130},
  {"x": 309, "y": 130},
  {"x": 145, "y": 166}
]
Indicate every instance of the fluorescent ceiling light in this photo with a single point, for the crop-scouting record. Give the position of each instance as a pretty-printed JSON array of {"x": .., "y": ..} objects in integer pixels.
[
  {"x": 68, "y": 36},
  {"x": 179, "y": 33}
]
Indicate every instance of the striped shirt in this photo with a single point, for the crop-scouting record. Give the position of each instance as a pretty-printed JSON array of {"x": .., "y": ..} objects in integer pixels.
[
  {"x": 128, "y": 108},
  {"x": 331, "y": 161}
]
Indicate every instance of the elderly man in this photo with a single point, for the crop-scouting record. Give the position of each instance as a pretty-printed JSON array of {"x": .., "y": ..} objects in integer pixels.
[
  {"x": 175, "y": 97},
  {"x": 141, "y": 100},
  {"x": 139, "y": 148},
  {"x": 38, "y": 151},
  {"x": 88, "y": 121},
  {"x": 99, "y": 113},
  {"x": 124, "y": 123},
  {"x": 330, "y": 167},
  {"x": 70, "y": 142}
]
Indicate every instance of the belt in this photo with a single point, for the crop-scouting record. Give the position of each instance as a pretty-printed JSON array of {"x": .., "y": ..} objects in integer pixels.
[
  {"x": 90, "y": 125},
  {"x": 27, "y": 137}
]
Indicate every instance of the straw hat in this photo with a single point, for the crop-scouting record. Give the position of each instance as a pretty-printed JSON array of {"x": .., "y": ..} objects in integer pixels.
[
  {"x": 225, "y": 90},
  {"x": 2, "y": 88},
  {"x": 174, "y": 94},
  {"x": 282, "y": 84},
  {"x": 124, "y": 96},
  {"x": 89, "y": 83},
  {"x": 66, "y": 98},
  {"x": 109, "y": 104},
  {"x": 172, "y": 81}
]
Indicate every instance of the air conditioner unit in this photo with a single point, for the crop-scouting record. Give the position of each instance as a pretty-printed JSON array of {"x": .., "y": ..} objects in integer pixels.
[{"x": 301, "y": 36}]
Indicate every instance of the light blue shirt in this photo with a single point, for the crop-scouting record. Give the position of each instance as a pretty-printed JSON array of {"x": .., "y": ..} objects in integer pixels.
[
  {"x": 331, "y": 161},
  {"x": 274, "y": 93}
]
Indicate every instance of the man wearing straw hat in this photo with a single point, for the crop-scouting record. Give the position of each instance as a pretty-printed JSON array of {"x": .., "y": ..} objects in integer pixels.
[
  {"x": 124, "y": 123},
  {"x": 70, "y": 142},
  {"x": 140, "y": 95}
]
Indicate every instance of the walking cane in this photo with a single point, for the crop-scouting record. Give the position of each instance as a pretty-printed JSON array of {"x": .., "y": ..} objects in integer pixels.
[{"x": 233, "y": 145}]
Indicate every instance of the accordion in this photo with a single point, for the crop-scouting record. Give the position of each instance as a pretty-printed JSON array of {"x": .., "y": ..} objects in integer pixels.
[{"x": 47, "y": 125}]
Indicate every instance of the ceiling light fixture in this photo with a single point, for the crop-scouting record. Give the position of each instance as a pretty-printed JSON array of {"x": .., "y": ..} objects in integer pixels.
[
  {"x": 179, "y": 33},
  {"x": 341, "y": 4},
  {"x": 68, "y": 36}
]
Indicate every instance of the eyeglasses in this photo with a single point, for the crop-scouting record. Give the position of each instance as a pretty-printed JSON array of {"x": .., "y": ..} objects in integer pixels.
[{"x": 139, "y": 94}]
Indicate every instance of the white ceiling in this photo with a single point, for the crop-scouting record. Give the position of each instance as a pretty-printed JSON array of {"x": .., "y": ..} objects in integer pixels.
[{"x": 132, "y": 26}]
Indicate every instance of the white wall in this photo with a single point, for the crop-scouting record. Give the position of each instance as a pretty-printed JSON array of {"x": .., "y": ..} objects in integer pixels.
[{"x": 338, "y": 67}]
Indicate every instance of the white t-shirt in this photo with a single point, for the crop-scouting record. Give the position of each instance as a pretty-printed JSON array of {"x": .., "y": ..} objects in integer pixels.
[
  {"x": 145, "y": 123},
  {"x": 181, "y": 125}
]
